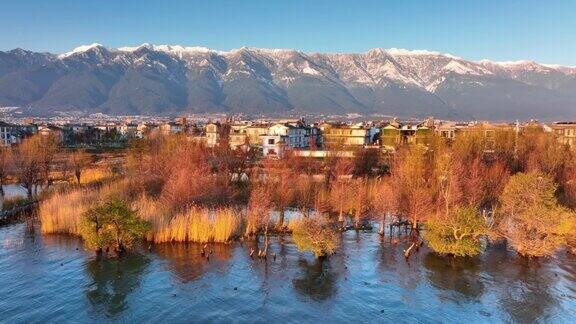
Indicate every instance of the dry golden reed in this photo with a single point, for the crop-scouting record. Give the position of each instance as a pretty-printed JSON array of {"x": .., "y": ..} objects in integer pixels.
[
  {"x": 199, "y": 225},
  {"x": 95, "y": 175},
  {"x": 62, "y": 213}
]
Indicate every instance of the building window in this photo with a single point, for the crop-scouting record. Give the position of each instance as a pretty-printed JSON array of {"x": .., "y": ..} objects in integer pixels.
[{"x": 271, "y": 141}]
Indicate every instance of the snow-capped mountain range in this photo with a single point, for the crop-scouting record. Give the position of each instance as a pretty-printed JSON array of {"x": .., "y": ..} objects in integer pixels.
[{"x": 164, "y": 79}]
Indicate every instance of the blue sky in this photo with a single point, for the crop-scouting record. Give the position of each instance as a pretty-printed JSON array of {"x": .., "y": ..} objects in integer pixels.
[{"x": 543, "y": 31}]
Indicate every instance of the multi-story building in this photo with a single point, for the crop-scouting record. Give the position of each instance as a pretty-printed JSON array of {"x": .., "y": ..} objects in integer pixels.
[
  {"x": 347, "y": 135},
  {"x": 212, "y": 134},
  {"x": 395, "y": 133},
  {"x": 282, "y": 136},
  {"x": 237, "y": 136},
  {"x": 171, "y": 128},
  {"x": 8, "y": 134},
  {"x": 254, "y": 133},
  {"x": 565, "y": 132},
  {"x": 53, "y": 130},
  {"x": 129, "y": 130}
]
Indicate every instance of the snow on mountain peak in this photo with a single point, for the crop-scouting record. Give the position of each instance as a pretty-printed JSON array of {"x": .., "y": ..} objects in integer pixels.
[
  {"x": 80, "y": 49},
  {"x": 405, "y": 52}
]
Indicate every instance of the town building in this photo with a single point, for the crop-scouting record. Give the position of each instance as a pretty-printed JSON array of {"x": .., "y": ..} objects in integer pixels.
[
  {"x": 254, "y": 133},
  {"x": 171, "y": 128},
  {"x": 129, "y": 130},
  {"x": 565, "y": 132},
  {"x": 237, "y": 136},
  {"x": 338, "y": 134},
  {"x": 9, "y": 134},
  {"x": 395, "y": 133},
  {"x": 291, "y": 135},
  {"x": 212, "y": 134}
]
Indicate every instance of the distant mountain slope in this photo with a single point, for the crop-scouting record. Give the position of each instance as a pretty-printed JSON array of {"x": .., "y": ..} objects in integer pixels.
[{"x": 165, "y": 79}]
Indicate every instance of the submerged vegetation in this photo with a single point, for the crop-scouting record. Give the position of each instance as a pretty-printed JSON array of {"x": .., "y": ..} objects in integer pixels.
[
  {"x": 112, "y": 226},
  {"x": 459, "y": 234},
  {"x": 315, "y": 234},
  {"x": 456, "y": 196}
]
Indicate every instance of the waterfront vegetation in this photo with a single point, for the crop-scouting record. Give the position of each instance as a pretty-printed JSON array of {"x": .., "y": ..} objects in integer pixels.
[{"x": 456, "y": 196}]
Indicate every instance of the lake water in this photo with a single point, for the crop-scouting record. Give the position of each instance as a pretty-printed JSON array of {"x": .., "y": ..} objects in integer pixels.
[
  {"x": 51, "y": 278},
  {"x": 14, "y": 190}
]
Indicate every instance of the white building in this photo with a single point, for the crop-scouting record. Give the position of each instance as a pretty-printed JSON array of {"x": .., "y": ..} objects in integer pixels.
[
  {"x": 8, "y": 135},
  {"x": 287, "y": 136}
]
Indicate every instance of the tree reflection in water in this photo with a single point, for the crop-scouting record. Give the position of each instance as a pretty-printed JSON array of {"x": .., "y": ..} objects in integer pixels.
[
  {"x": 317, "y": 281},
  {"x": 455, "y": 274},
  {"x": 524, "y": 286},
  {"x": 392, "y": 266},
  {"x": 112, "y": 281},
  {"x": 186, "y": 262}
]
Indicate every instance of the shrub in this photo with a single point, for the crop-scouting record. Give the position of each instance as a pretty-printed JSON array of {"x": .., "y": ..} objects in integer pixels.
[
  {"x": 11, "y": 203},
  {"x": 315, "y": 234},
  {"x": 531, "y": 218},
  {"x": 112, "y": 225},
  {"x": 457, "y": 233}
]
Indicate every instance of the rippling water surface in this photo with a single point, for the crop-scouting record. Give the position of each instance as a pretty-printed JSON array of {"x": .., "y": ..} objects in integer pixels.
[{"x": 51, "y": 278}]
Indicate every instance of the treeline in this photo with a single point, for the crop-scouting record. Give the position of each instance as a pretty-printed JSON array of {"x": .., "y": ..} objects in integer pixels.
[
  {"x": 39, "y": 161},
  {"x": 459, "y": 195}
]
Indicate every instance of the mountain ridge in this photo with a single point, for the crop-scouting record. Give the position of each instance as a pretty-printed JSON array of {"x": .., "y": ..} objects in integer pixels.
[{"x": 172, "y": 79}]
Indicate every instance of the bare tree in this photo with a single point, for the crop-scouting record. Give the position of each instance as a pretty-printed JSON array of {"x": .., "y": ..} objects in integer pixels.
[
  {"x": 5, "y": 159},
  {"x": 383, "y": 201},
  {"x": 27, "y": 168},
  {"x": 340, "y": 191},
  {"x": 359, "y": 200},
  {"x": 410, "y": 176},
  {"x": 46, "y": 148},
  {"x": 78, "y": 161}
]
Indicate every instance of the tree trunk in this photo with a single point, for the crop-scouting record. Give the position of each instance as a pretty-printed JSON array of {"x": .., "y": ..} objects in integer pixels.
[
  {"x": 357, "y": 220},
  {"x": 409, "y": 250},
  {"x": 29, "y": 192},
  {"x": 341, "y": 219},
  {"x": 265, "y": 241},
  {"x": 280, "y": 219},
  {"x": 382, "y": 221}
]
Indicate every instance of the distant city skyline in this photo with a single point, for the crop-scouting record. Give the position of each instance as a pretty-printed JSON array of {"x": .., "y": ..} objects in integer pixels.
[{"x": 474, "y": 30}]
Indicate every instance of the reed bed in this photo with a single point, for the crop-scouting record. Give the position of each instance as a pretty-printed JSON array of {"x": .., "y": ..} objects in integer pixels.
[
  {"x": 95, "y": 175},
  {"x": 201, "y": 225},
  {"x": 62, "y": 211}
]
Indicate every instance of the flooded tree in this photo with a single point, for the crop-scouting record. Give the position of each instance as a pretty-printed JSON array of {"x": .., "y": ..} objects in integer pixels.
[
  {"x": 315, "y": 234},
  {"x": 530, "y": 217},
  {"x": 383, "y": 201},
  {"x": 410, "y": 174},
  {"x": 358, "y": 201},
  {"x": 258, "y": 215},
  {"x": 112, "y": 226},
  {"x": 340, "y": 192},
  {"x": 458, "y": 232},
  {"x": 281, "y": 187},
  {"x": 305, "y": 193}
]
